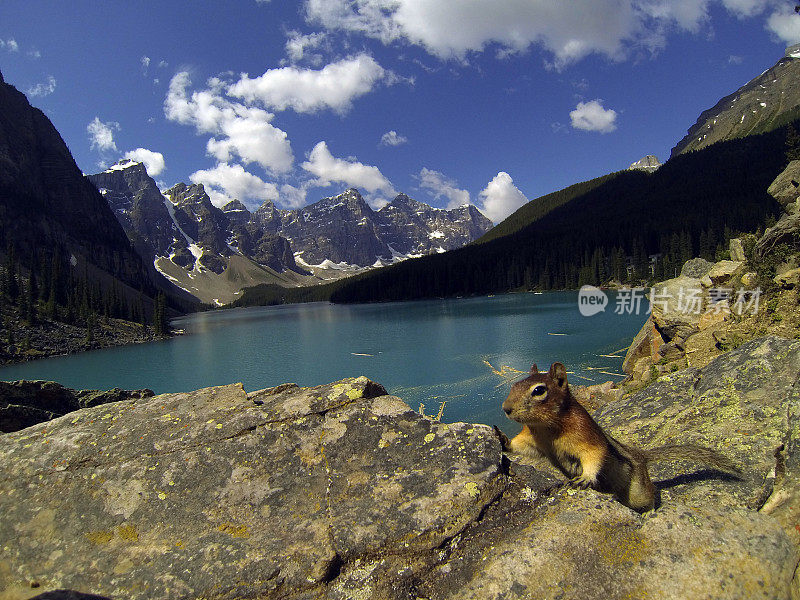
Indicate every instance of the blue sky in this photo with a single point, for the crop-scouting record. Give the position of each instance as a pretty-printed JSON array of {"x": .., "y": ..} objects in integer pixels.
[{"x": 494, "y": 102}]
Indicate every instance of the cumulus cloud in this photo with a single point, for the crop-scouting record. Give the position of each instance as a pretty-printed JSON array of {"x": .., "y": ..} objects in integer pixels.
[
  {"x": 441, "y": 186},
  {"x": 591, "y": 116},
  {"x": 329, "y": 169},
  {"x": 101, "y": 135},
  {"x": 153, "y": 162},
  {"x": 785, "y": 25},
  {"x": 226, "y": 182},
  {"x": 569, "y": 31},
  {"x": 392, "y": 138},
  {"x": 237, "y": 130},
  {"x": 43, "y": 89},
  {"x": 501, "y": 197},
  {"x": 334, "y": 87}
]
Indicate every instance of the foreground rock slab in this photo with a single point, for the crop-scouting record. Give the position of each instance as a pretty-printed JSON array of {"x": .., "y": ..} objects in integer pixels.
[{"x": 220, "y": 495}]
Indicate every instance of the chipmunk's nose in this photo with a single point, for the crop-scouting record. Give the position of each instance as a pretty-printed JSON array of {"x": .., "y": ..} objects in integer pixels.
[{"x": 506, "y": 409}]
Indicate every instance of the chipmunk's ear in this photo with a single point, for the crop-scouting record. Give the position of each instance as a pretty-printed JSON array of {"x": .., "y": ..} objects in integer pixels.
[
  {"x": 534, "y": 370},
  {"x": 559, "y": 374}
]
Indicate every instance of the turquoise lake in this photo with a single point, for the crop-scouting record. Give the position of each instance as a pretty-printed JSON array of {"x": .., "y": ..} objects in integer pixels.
[{"x": 426, "y": 352}]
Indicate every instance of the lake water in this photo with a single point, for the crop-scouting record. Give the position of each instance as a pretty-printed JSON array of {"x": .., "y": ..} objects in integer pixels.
[{"x": 425, "y": 352}]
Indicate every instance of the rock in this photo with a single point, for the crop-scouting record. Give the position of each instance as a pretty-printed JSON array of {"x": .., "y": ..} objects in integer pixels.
[
  {"x": 736, "y": 250},
  {"x": 644, "y": 345},
  {"x": 714, "y": 316},
  {"x": 737, "y": 404},
  {"x": 649, "y": 163},
  {"x": 677, "y": 305},
  {"x": 233, "y": 496},
  {"x": 785, "y": 231},
  {"x": 696, "y": 268},
  {"x": 586, "y": 547},
  {"x": 723, "y": 270},
  {"x": 786, "y": 187},
  {"x": 25, "y": 403},
  {"x": 749, "y": 279},
  {"x": 790, "y": 278}
]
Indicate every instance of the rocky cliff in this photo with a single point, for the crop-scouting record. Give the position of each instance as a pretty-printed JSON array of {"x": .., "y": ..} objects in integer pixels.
[{"x": 341, "y": 491}]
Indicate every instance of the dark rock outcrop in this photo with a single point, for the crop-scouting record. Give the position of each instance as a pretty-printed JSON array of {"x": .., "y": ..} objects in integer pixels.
[{"x": 26, "y": 403}]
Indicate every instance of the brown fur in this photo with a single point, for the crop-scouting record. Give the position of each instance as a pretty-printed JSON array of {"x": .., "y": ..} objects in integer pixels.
[{"x": 556, "y": 426}]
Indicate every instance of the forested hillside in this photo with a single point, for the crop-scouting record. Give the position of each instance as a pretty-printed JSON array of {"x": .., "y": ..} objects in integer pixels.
[{"x": 610, "y": 231}]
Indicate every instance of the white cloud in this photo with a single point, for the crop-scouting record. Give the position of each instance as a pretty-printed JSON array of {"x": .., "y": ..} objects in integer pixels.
[
  {"x": 145, "y": 61},
  {"x": 293, "y": 197},
  {"x": 101, "y": 135},
  {"x": 329, "y": 169},
  {"x": 153, "y": 162},
  {"x": 43, "y": 89},
  {"x": 591, "y": 116},
  {"x": 335, "y": 86},
  {"x": 785, "y": 25},
  {"x": 501, "y": 197},
  {"x": 298, "y": 46},
  {"x": 10, "y": 44},
  {"x": 746, "y": 8},
  {"x": 569, "y": 31},
  {"x": 226, "y": 182},
  {"x": 392, "y": 138},
  {"x": 238, "y": 130},
  {"x": 440, "y": 185}
]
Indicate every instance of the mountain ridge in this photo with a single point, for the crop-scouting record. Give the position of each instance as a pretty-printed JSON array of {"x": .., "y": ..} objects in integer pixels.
[
  {"x": 766, "y": 102},
  {"x": 191, "y": 242}
]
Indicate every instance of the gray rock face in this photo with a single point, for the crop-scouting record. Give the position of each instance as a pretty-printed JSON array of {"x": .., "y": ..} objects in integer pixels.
[
  {"x": 343, "y": 492},
  {"x": 345, "y": 229},
  {"x": 139, "y": 207},
  {"x": 649, "y": 164},
  {"x": 414, "y": 228}
]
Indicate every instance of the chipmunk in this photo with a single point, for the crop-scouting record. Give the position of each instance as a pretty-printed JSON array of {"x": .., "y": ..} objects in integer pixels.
[{"x": 558, "y": 427}]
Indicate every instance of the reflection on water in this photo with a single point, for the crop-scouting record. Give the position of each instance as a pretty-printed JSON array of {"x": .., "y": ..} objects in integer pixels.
[{"x": 462, "y": 352}]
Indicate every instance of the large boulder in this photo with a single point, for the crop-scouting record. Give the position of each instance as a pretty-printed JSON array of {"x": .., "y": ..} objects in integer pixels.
[{"x": 786, "y": 187}]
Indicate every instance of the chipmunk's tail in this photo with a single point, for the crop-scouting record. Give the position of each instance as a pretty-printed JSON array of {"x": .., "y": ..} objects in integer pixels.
[{"x": 693, "y": 453}]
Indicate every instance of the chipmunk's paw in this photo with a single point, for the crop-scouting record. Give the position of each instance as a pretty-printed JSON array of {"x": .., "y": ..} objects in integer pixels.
[
  {"x": 505, "y": 443},
  {"x": 581, "y": 482}
]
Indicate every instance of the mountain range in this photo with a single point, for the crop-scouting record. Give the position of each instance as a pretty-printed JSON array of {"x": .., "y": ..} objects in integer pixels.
[{"x": 214, "y": 253}]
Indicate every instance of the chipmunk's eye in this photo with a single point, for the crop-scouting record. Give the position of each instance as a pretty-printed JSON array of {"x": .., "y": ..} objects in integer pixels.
[{"x": 537, "y": 391}]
